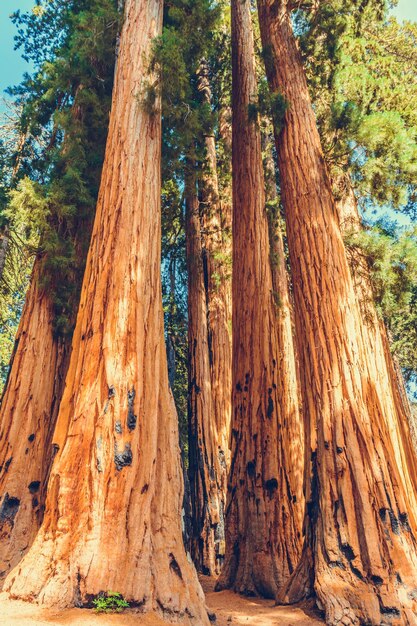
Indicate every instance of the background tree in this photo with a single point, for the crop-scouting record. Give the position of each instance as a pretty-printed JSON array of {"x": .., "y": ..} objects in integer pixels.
[
  {"x": 190, "y": 163},
  {"x": 262, "y": 538}
]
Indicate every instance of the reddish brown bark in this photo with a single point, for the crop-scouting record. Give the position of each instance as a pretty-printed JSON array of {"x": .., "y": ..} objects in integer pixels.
[
  {"x": 33, "y": 391},
  {"x": 27, "y": 419},
  {"x": 289, "y": 382},
  {"x": 381, "y": 366},
  {"x": 205, "y": 469},
  {"x": 113, "y": 510},
  {"x": 262, "y": 546},
  {"x": 216, "y": 212},
  {"x": 209, "y": 356},
  {"x": 359, "y": 555}
]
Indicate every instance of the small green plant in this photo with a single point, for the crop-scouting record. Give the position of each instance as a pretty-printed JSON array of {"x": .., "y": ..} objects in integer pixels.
[{"x": 110, "y": 602}]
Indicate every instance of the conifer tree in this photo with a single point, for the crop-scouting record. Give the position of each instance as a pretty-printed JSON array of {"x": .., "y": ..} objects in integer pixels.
[
  {"x": 61, "y": 213},
  {"x": 191, "y": 160},
  {"x": 262, "y": 538},
  {"x": 113, "y": 509},
  {"x": 359, "y": 554}
]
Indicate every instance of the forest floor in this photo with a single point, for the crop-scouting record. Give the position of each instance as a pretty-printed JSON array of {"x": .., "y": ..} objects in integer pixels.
[{"x": 230, "y": 609}]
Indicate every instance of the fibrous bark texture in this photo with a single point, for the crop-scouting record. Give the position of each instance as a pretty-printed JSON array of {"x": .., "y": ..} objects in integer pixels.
[
  {"x": 36, "y": 379},
  {"x": 28, "y": 415},
  {"x": 382, "y": 368},
  {"x": 289, "y": 384},
  {"x": 113, "y": 511},
  {"x": 204, "y": 463},
  {"x": 210, "y": 357},
  {"x": 359, "y": 555},
  {"x": 262, "y": 542}
]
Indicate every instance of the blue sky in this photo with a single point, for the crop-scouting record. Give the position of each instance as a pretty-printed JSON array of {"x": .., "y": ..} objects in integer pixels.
[{"x": 12, "y": 65}]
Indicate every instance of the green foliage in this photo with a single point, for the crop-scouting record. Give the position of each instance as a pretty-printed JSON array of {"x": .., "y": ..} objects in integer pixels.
[
  {"x": 174, "y": 293},
  {"x": 63, "y": 123},
  {"x": 189, "y": 40},
  {"x": 361, "y": 71},
  {"x": 23, "y": 213},
  {"x": 271, "y": 105},
  {"x": 53, "y": 152},
  {"x": 110, "y": 602},
  {"x": 253, "y": 112},
  {"x": 27, "y": 213},
  {"x": 392, "y": 259}
]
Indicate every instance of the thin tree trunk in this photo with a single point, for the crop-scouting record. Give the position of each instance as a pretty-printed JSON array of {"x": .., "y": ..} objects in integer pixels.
[
  {"x": 262, "y": 546},
  {"x": 113, "y": 510},
  {"x": 289, "y": 380},
  {"x": 216, "y": 221},
  {"x": 204, "y": 465},
  {"x": 209, "y": 356},
  {"x": 359, "y": 554}
]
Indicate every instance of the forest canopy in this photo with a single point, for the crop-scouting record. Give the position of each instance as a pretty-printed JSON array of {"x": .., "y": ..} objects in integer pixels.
[{"x": 208, "y": 307}]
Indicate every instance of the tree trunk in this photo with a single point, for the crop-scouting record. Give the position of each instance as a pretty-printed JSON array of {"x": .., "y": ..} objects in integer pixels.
[
  {"x": 262, "y": 546},
  {"x": 216, "y": 222},
  {"x": 37, "y": 371},
  {"x": 31, "y": 398},
  {"x": 289, "y": 380},
  {"x": 394, "y": 403},
  {"x": 204, "y": 464},
  {"x": 113, "y": 510},
  {"x": 209, "y": 357},
  {"x": 4, "y": 244},
  {"x": 359, "y": 553},
  {"x": 27, "y": 419}
]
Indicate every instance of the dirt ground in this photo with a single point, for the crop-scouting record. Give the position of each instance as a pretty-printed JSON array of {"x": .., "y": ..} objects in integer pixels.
[{"x": 230, "y": 609}]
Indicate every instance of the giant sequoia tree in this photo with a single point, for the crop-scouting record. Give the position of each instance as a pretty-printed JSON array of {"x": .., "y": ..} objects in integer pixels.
[
  {"x": 321, "y": 478},
  {"x": 359, "y": 553},
  {"x": 210, "y": 356},
  {"x": 360, "y": 71},
  {"x": 65, "y": 211},
  {"x": 113, "y": 510},
  {"x": 191, "y": 161},
  {"x": 262, "y": 538}
]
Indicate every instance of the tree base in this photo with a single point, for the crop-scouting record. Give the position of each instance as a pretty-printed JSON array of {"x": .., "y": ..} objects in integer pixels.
[
  {"x": 346, "y": 601},
  {"x": 157, "y": 583}
]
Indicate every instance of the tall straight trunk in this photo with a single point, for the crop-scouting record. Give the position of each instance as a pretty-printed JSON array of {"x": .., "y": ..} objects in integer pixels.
[
  {"x": 28, "y": 415},
  {"x": 359, "y": 554},
  {"x": 289, "y": 381},
  {"x": 204, "y": 463},
  {"x": 113, "y": 510},
  {"x": 262, "y": 543},
  {"x": 209, "y": 356}
]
